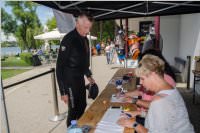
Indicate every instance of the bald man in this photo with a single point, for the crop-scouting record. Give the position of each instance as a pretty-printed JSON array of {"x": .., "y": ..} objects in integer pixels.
[{"x": 72, "y": 64}]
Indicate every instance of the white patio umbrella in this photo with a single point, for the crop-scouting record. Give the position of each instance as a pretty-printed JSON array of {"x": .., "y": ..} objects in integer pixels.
[
  {"x": 91, "y": 37},
  {"x": 56, "y": 35},
  {"x": 52, "y": 35}
]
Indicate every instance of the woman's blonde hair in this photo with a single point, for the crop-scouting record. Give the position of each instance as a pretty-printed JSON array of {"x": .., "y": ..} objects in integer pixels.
[{"x": 150, "y": 63}]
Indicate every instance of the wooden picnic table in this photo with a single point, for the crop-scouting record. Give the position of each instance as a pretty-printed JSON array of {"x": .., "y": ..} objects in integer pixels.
[{"x": 96, "y": 111}]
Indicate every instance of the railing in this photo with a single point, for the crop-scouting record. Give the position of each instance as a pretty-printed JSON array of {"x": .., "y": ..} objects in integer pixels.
[
  {"x": 28, "y": 79},
  {"x": 56, "y": 117}
]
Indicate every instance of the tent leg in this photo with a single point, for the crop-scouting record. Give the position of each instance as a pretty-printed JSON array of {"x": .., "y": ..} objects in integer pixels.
[
  {"x": 90, "y": 48},
  {"x": 3, "y": 107}
]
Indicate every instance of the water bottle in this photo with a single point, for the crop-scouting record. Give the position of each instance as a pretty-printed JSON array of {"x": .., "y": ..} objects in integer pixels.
[{"x": 73, "y": 128}]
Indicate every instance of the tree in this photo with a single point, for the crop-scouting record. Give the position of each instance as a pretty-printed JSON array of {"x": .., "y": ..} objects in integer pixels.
[
  {"x": 38, "y": 43},
  {"x": 51, "y": 24},
  {"x": 108, "y": 28},
  {"x": 30, "y": 39},
  {"x": 27, "y": 21},
  {"x": 8, "y": 24}
]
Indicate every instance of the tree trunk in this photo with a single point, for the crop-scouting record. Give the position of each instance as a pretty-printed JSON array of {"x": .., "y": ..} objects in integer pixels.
[{"x": 101, "y": 29}]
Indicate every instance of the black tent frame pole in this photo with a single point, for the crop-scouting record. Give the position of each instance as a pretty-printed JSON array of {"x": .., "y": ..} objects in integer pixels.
[
  {"x": 126, "y": 43},
  {"x": 188, "y": 71},
  {"x": 157, "y": 30},
  {"x": 3, "y": 107}
]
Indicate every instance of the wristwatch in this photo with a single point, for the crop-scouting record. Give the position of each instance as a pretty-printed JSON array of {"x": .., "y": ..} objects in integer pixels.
[
  {"x": 134, "y": 100},
  {"x": 135, "y": 124}
]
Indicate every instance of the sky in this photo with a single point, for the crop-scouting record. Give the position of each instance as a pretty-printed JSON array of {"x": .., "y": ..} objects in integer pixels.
[{"x": 44, "y": 13}]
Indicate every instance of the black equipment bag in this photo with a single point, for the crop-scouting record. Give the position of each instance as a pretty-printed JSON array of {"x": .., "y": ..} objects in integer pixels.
[{"x": 93, "y": 90}]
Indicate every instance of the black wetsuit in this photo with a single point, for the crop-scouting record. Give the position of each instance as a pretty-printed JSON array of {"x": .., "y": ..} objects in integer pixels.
[{"x": 72, "y": 65}]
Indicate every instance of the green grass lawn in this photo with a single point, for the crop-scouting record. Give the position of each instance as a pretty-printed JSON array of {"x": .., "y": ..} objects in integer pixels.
[
  {"x": 7, "y": 73},
  {"x": 13, "y": 61}
]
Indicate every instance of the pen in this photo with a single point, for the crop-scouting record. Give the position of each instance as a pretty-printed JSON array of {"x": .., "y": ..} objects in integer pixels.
[{"x": 129, "y": 116}]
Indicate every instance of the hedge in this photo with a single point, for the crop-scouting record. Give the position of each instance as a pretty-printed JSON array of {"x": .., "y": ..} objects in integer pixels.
[{"x": 27, "y": 57}]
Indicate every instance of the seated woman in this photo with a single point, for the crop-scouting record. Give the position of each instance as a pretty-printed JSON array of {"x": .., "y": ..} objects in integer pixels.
[
  {"x": 146, "y": 95},
  {"x": 167, "y": 112},
  {"x": 141, "y": 91}
]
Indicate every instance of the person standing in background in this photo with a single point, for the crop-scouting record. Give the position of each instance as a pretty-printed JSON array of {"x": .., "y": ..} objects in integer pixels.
[
  {"x": 112, "y": 50},
  {"x": 107, "y": 50},
  {"x": 98, "y": 48}
]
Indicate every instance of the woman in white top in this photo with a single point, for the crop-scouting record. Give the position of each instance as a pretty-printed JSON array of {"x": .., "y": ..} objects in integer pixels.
[{"x": 167, "y": 112}]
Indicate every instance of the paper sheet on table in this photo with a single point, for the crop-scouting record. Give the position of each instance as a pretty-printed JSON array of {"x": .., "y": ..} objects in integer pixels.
[
  {"x": 108, "y": 123},
  {"x": 115, "y": 99},
  {"x": 105, "y": 130}
]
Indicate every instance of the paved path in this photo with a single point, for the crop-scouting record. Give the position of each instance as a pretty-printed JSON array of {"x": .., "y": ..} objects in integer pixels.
[
  {"x": 17, "y": 67},
  {"x": 29, "y": 105}
]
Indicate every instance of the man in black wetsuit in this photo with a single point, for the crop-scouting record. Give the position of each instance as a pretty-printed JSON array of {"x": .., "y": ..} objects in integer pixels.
[{"x": 72, "y": 65}]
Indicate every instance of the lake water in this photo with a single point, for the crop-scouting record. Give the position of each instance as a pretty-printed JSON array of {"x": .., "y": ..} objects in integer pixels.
[
  {"x": 16, "y": 50},
  {"x": 10, "y": 50}
]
